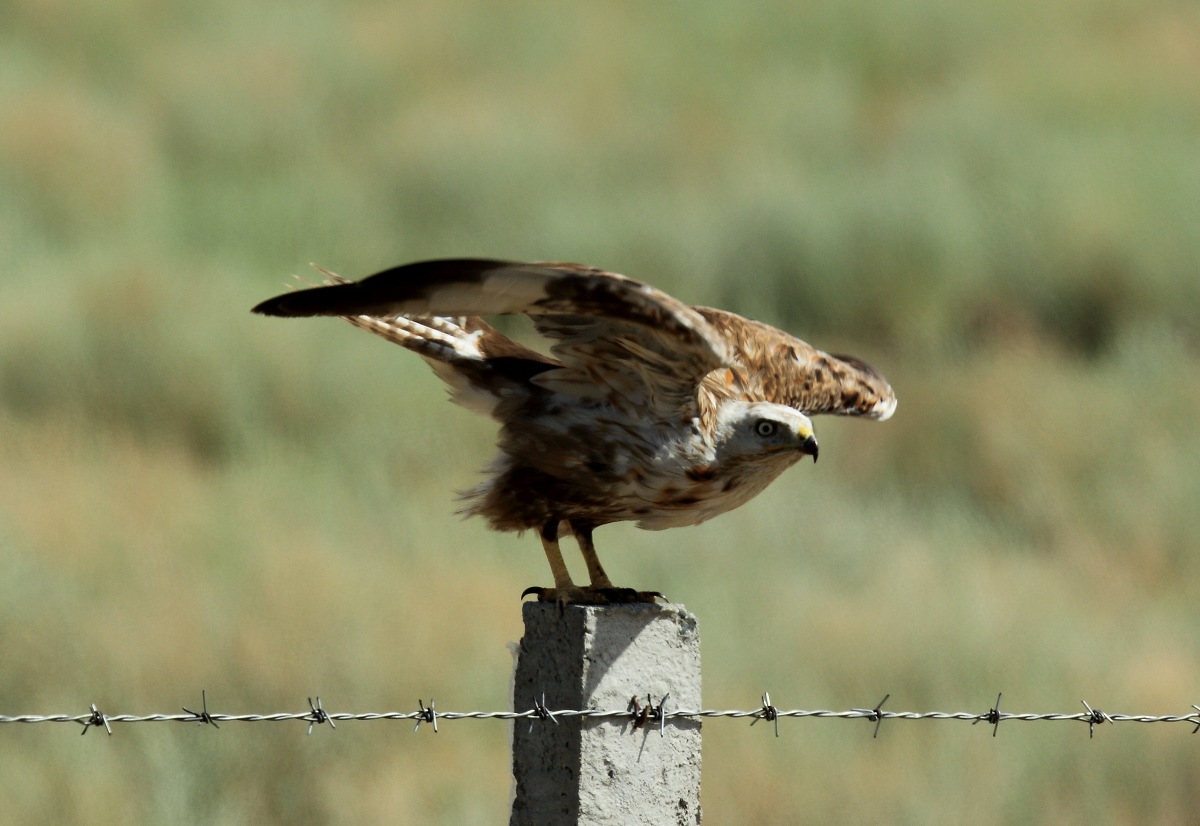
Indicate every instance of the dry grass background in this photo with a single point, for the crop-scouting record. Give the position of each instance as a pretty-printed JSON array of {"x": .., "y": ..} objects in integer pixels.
[{"x": 997, "y": 203}]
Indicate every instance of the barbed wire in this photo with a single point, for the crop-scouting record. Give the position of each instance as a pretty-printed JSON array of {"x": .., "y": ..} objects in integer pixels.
[{"x": 635, "y": 713}]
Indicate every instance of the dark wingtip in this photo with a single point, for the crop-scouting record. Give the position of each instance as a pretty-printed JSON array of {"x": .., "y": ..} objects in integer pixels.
[
  {"x": 272, "y": 306},
  {"x": 333, "y": 299},
  {"x": 380, "y": 293},
  {"x": 861, "y": 365}
]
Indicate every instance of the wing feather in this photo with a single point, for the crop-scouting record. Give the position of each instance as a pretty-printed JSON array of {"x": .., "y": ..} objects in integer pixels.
[
  {"x": 626, "y": 340},
  {"x": 781, "y": 368}
]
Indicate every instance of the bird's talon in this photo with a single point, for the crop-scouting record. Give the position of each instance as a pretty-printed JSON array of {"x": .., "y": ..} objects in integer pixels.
[{"x": 594, "y": 596}]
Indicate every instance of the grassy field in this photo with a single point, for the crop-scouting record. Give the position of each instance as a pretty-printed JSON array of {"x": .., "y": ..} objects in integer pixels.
[{"x": 996, "y": 203}]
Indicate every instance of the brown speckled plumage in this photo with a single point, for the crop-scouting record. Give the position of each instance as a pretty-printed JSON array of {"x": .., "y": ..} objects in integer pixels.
[{"x": 647, "y": 409}]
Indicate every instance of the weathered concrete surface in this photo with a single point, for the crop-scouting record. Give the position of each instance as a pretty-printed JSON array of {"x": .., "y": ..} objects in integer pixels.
[{"x": 603, "y": 771}]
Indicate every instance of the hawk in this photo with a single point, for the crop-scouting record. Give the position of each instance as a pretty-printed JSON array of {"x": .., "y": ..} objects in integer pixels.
[{"x": 647, "y": 409}]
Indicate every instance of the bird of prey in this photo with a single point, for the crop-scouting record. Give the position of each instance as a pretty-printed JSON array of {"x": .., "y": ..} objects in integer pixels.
[{"x": 647, "y": 409}]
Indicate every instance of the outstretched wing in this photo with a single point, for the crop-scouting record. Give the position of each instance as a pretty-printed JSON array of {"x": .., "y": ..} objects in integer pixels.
[
  {"x": 776, "y": 367},
  {"x": 616, "y": 337}
]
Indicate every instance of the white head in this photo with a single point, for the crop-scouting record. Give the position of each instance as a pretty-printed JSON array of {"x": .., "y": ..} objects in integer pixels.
[{"x": 762, "y": 430}]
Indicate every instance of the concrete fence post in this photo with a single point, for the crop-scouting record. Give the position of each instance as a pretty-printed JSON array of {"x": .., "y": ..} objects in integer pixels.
[{"x": 604, "y": 770}]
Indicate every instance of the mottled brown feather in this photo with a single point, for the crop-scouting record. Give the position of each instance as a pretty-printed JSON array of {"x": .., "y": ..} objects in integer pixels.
[{"x": 780, "y": 368}]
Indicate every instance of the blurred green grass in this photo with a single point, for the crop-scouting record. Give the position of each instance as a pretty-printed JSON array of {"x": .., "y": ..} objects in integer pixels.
[{"x": 995, "y": 203}]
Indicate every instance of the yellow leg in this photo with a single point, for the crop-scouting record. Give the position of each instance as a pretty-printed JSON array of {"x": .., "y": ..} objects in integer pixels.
[
  {"x": 565, "y": 592},
  {"x": 599, "y": 579},
  {"x": 558, "y": 568}
]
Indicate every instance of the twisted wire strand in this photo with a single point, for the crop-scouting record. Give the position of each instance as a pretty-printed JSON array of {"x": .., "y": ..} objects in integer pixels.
[{"x": 318, "y": 715}]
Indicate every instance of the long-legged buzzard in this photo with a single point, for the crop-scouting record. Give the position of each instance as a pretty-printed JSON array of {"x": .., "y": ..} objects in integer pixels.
[{"x": 647, "y": 409}]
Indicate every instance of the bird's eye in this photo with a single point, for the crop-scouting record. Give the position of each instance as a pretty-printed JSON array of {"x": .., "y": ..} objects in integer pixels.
[{"x": 765, "y": 428}]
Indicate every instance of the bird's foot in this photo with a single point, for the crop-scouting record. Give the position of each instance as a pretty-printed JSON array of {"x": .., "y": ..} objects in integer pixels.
[{"x": 594, "y": 596}]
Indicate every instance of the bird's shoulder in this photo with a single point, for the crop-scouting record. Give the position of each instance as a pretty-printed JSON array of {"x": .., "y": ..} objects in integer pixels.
[{"x": 768, "y": 364}]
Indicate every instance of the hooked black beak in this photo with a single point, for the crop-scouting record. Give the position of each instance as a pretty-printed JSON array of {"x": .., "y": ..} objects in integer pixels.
[{"x": 809, "y": 446}]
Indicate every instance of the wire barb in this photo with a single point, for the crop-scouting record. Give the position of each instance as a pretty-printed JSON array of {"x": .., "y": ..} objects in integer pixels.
[
  {"x": 1094, "y": 718},
  {"x": 426, "y": 715},
  {"x": 642, "y": 714},
  {"x": 768, "y": 712},
  {"x": 97, "y": 719},
  {"x": 659, "y": 713},
  {"x": 203, "y": 716},
  {"x": 874, "y": 715},
  {"x": 318, "y": 715},
  {"x": 993, "y": 716},
  {"x": 540, "y": 712}
]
